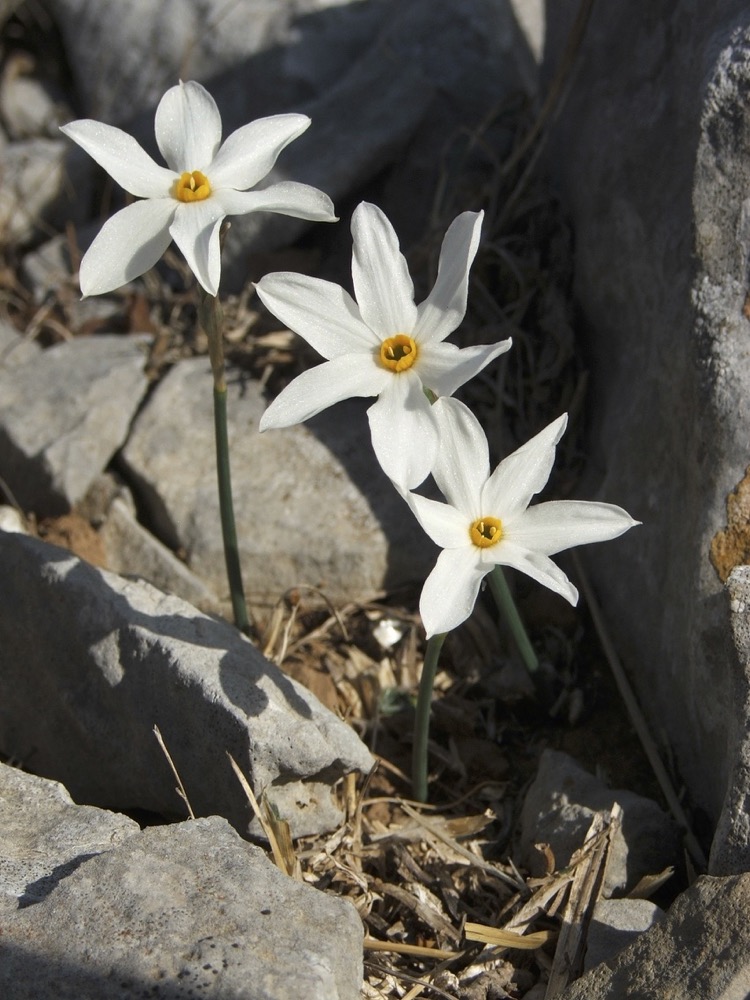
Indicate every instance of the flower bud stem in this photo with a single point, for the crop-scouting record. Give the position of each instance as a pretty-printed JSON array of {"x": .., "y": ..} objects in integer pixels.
[
  {"x": 422, "y": 720},
  {"x": 211, "y": 319},
  {"x": 507, "y": 608}
]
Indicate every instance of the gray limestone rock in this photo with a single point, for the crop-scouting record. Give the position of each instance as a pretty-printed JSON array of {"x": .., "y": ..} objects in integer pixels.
[
  {"x": 64, "y": 413},
  {"x": 46, "y": 836},
  {"x": 14, "y": 349},
  {"x": 178, "y": 912},
  {"x": 90, "y": 662},
  {"x": 34, "y": 195},
  {"x": 730, "y": 850},
  {"x": 651, "y": 154},
  {"x": 279, "y": 52},
  {"x": 311, "y": 503},
  {"x": 131, "y": 550},
  {"x": 614, "y": 924},
  {"x": 558, "y": 810},
  {"x": 701, "y": 949}
]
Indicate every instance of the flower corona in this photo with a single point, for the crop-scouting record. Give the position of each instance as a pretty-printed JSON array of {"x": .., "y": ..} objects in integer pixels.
[
  {"x": 398, "y": 353},
  {"x": 486, "y": 531},
  {"x": 193, "y": 185}
]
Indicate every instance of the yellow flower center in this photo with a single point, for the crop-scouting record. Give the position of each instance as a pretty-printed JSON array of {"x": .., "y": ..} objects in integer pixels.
[
  {"x": 486, "y": 531},
  {"x": 192, "y": 186},
  {"x": 398, "y": 353}
]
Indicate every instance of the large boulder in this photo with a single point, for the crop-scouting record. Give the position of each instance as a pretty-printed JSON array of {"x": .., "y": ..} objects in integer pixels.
[{"x": 651, "y": 154}]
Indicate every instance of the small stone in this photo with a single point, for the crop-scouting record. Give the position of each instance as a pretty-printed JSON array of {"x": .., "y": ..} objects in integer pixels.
[
  {"x": 30, "y": 107},
  {"x": 700, "y": 949},
  {"x": 11, "y": 519},
  {"x": 63, "y": 415},
  {"x": 33, "y": 193},
  {"x": 558, "y": 810},
  {"x": 182, "y": 911},
  {"x": 614, "y": 924}
]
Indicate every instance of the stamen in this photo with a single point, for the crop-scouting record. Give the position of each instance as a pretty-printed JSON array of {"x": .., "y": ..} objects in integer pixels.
[
  {"x": 192, "y": 186},
  {"x": 398, "y": 353},
  {"x": 486, "y": 531}
]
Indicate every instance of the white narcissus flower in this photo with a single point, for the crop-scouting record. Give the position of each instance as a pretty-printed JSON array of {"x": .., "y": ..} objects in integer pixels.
[
  {"x": 204, "y": 181},
  {"x": 487, "y": 520},
  {"x": 382, "y": 344}
]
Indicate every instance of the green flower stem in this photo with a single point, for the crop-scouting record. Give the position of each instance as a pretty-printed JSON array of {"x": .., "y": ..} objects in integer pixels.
[
  {"x": 422, "y": 720},
  {"x": 211, "y": 319},
  {"x": 507, "y": 607}
]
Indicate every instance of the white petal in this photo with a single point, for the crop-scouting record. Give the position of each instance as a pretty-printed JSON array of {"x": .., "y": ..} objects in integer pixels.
[
  {"x": 445, "y": 306},
  {"x": 249, "y": 153},
  {"x": 462, "y": 463},
  {"x": 450, "y": 591},
  {"x": 320, "y": 311},
  {"x": 382, "y": 285},
  {"x": 188, "y": 127},
  {"x": 128, "y": 244},
  {"x": 404, "y": 431},
  {"x": 446, "y": 526},
  {"x": 445, "y": 367},
  {"x": 560, "y": 524},
  {"x": 320, "y": 387},
  {"x": 286, "y": 198},
  {"x": 534, "y": 564},
  {"x": 195, "y": 230},
  {"x": 522, "y": 474},
  {"x": 122, "y": 157}
]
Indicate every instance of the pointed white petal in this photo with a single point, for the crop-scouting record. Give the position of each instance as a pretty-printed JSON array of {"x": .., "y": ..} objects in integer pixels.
[
  {"x": 195, "y": 230},
  {"x": 128, "y": 244},
  {"x": 404, "y": 432},
  {"x": 522, "y": 474},
  {"x": 560, "y": 524},
  {"x": 382, "y": 285},
  {"x": 285, "y": 198},
  {"x": 462, "y": 463},
  {"x": 534, "y": 564},
  {"x": 320, "y": 311},
  {"x": 122, "y": 157},
  {"x": 320, "y": 387},
  {"x": 445, "y": 306},
  {"x": 445, "y": 367},
  {"x": 446, "y": 526},
  {"x": 450, "y": 591},
  {"x": 248, "y": 154},
  {"x": 188, "y": 127}
]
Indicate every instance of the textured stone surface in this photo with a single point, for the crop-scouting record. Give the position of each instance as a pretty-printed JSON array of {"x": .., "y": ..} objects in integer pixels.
[
  {"x": 131, "y": 550},
  {"x": 730, "y": 850},
  {"x": 15, "y": 349},
  {"x": 64, "y": 413},
  {"x": 311, "y": 503},
  {"x": 651, "y": 154},
  {"x": 701, "y": 949},
  {"x": 46, "y": 836},
  {"x": 33, "y": 195},
  {"x": 90, "y": 662},
  {"x": 178, "y": 912},
  {"x": 614, "y": 924},
  {"x": 279, "y": 52},
  {"x": 560, "y": 805}
]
